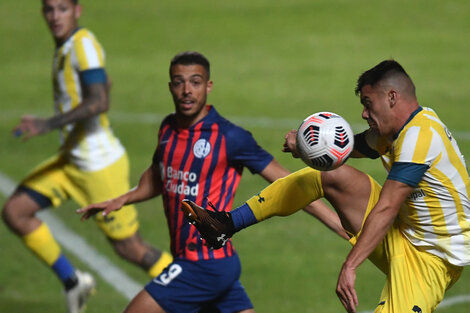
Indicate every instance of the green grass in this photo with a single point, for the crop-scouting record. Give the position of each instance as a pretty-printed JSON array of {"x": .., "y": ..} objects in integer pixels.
[{"x": 277, "y": 59}]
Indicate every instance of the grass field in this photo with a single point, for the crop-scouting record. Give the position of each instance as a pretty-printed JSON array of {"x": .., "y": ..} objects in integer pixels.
[{"x": 273, "y": 63}]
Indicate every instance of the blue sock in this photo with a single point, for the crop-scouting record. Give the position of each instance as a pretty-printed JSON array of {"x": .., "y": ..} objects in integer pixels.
[
  {"x": 243, "y": 217},
  {"x": 63, "y": 268}
]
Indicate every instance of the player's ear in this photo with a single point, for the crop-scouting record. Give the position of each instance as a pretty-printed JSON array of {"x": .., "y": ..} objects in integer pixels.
[
  {"x": 392, "y": 97},
  {"x": 78, "y": 11},
  {"x": 209, "y": 86}
]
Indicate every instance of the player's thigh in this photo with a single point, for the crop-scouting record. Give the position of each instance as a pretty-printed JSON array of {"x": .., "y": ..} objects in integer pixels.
[
  {"x": 235, "y": 300},
  {"x": 101, "y": 185},
  {"x": 349, "y": 191},
  {"x": 143, "y": 302},
  {"x": 49, "y": 180},
  {"x": 98, "y": 186},
  {"x": 417, "y": 280}
]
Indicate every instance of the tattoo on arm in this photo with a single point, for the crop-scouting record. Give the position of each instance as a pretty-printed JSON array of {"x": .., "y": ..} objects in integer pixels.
[{"x": 95, "y": 101}]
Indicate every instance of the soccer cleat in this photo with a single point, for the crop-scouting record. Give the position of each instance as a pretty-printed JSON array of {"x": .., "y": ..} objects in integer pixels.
[
  {"x": 78, "y": 295},
  {"x": 215, "y": 227}
]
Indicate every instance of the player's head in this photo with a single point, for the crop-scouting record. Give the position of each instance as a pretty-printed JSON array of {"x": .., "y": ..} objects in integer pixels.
[
  {"x": 61, "y": 17},
  {"x": 189, "y": 85},
  {"x": 191, "y": 58},
  {"x": 387, "y": 93},
  {"x": 388, "y": 72}
]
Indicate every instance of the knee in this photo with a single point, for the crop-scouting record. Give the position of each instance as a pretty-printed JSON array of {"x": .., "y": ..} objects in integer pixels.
[
  {"x": 17, "y": 211},
  {"x": 9, "y": 216}
]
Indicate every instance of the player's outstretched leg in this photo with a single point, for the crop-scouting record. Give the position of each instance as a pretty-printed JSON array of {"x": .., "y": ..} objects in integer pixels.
[
  {"x": 346, "y": 188},
  {"x": 215, "y": 227},
  {"x": 78, "y": 295}
]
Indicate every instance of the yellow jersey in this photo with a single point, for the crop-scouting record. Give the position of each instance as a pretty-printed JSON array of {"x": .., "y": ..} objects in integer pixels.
[
  {"x": 90, "y": 144},
  {"x": 436, "y": 215}
]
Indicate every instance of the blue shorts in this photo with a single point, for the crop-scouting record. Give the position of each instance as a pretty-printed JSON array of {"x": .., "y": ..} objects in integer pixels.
[{"x": 207, "y": 285}]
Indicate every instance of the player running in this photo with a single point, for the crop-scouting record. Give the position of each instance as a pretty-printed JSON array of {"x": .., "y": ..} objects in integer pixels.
[
  {"x": 416, "y": 228},
  {"x": 200, "y": 156},
  {"x": 91, "y": 164}
]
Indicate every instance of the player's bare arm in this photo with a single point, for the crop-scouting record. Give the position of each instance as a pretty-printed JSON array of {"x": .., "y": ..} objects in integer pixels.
[
  {"x": 378, "y": 222},
  {"x": 149, "y": 187},
  {"x": 95, "y": 101}
]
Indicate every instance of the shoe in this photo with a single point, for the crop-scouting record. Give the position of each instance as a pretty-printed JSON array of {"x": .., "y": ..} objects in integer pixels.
[
  {"x": 215, "y": 227},
  {"x": 78, "y": 295}
]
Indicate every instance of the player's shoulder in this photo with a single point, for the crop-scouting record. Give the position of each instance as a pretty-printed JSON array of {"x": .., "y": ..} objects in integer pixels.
[
  {"x": 419, "y": 129},
  {"x": 167, "y": 121},
  {"x": 226, "y": 126},
  {"x": 83, "y": 36},
  {"x": 83, "y": 32}
]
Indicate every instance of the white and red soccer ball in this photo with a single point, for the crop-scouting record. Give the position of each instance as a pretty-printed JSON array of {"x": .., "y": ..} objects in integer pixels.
[{"x": 324, "y": 141}]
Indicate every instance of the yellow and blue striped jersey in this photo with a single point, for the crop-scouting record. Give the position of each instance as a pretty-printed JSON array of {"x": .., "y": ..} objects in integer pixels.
[
  {"x": 90, "y": 144},
  {"x": 436, "y": 215}
]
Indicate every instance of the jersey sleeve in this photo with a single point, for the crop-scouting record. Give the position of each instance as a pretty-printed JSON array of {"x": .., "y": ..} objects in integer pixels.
[
  {"x": 370, "y": 144},
  {"x": 90, "y": 59},
  {"x": 243, "y": 150},
  {"x": 407, "y": 173},
  {"x": 414, "y": 151}
]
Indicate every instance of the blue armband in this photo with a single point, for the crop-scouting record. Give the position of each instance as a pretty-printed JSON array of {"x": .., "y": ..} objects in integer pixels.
[{"x": 407, "y": 173}]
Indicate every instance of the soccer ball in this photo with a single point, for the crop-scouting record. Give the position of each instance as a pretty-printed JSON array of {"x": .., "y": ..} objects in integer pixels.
[{"x": 324, "y": 141}]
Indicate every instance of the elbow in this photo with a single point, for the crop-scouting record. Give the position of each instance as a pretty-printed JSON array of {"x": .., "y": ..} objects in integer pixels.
[{"x": 104, "y": 107}]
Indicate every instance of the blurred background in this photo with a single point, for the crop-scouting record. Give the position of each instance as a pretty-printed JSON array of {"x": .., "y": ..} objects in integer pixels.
[{"x": 273, "y": 63}]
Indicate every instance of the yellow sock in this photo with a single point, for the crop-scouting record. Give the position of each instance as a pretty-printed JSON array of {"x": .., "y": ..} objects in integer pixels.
[
  {"x": 162, "y": 262},
  {"x": 41, "y": 242},
  {"x": 287, "y": 195}
]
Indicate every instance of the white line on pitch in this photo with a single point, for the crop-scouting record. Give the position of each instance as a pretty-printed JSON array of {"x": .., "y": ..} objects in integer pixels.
[
  {"x": 245, "y": 121},
  {"x": 77, "y": 246}
]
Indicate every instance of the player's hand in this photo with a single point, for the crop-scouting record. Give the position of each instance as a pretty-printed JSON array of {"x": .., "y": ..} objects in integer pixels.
[
  {"x": 290, "y": 143},
  {"x": 345, "y": 288},
  {"x": 104, "y": 207},
  {"x": 30, "y": 126}
]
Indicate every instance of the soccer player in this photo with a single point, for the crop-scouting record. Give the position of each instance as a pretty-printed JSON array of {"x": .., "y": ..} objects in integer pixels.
[
  {"x": 200, "y": 156},
  {"x": 416, "y": 228},
  {"x": 91, "y": 164}
]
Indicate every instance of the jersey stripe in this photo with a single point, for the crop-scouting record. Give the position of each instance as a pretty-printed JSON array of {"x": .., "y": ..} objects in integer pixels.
[
  {"x": 436, "y": 213},
  {"x": 194, "y": 163},
  {"x": 90, "y": 144}
]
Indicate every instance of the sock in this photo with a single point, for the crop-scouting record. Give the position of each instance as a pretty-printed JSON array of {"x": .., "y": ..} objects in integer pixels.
[
  {"x": 65, "y": 271},
  {"x": 164, "y": 260},
  {"x": 243, "y": 217},
  {"x": 287, "y": 195},
  {"x": 41, "y": 242}
]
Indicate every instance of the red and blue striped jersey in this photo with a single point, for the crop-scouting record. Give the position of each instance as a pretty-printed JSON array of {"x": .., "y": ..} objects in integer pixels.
[{"x": 202, "y": 163}]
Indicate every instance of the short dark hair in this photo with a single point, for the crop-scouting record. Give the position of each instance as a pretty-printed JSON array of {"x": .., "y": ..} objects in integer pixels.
[
  {"x": 381, "y": 71},
  {"x": 75, "y": 2},
  {"x": 191, "y": 58}
]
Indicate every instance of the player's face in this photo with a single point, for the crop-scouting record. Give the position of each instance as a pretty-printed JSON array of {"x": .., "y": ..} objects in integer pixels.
[
  {"x": 189, "y": 87},
  {"x": 376, "y": 109},
  {"x": 62, "y": 17}
]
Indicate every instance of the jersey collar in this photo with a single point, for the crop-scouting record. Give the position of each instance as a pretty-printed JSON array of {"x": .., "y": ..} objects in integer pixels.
[
  {"x": 68, "y": 38},
  {"x": 412, "y": 115}
]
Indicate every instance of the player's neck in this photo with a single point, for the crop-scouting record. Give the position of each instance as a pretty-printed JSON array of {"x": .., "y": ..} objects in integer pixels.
[{"x": 184, "y": 121}]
